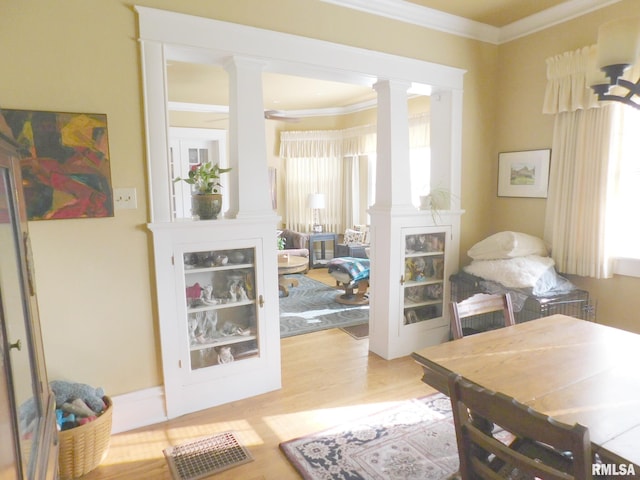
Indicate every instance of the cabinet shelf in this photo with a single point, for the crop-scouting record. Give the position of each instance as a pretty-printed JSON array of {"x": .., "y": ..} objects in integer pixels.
[
  {"x": 423, "y": 254},
  {"x": 433, "y": 301},
  {"x": 219, "y": 306},
  {"x": 230, "y": 340},
  {"x": 230, "y": 266},
  {"x": 426, "y": 281}
]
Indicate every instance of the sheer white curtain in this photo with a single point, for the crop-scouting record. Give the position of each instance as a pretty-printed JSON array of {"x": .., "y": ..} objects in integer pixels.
[
  {"x": 580, "y": 180},
  {"x": 313, "y": 163},
  {"x": 329, "y": 162}
]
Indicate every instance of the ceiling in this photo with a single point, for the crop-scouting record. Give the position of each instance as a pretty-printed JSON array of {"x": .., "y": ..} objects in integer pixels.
[
  {"x": 497, "y": 13},
  {"x": 207, "y": 84}
]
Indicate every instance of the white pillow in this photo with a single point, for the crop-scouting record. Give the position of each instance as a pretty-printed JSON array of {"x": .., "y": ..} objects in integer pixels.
[
  {"x": 352, "y": 236},
  {"x": 508, "y": 245},
  {"x": 518, "y": 272}
]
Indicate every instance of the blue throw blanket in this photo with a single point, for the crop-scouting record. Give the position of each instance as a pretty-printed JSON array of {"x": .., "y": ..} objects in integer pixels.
[{"x": 356, "y": 268}]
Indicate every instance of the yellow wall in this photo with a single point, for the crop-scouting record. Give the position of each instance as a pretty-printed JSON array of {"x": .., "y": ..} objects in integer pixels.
[
  {"x": 522, "y": 126},
  {"x": 95, "y": 277}
]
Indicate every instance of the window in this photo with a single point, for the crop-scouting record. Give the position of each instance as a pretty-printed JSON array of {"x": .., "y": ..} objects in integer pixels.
[
  {"x": 420, "y": 167},
  {"x": 623, "y": 213}
]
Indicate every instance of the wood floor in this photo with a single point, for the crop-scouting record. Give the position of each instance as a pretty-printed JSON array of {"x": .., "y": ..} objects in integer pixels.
[{"x": 327, "y": 378}]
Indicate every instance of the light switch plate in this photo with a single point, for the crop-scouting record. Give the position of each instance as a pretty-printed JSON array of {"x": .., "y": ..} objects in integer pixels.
[{"x": 124, "y": 198}]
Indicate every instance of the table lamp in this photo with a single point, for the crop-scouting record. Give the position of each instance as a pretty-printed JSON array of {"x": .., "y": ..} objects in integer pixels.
[{"x": 316, "y": 202}]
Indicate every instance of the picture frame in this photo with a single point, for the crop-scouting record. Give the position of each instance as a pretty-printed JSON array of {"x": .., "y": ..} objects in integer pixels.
[
  {"x": 524, "y": 173},
  {"x": 65, "y": 163}
]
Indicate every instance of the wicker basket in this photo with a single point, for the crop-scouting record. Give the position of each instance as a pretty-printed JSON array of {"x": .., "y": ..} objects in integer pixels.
[{"x": 83, "y": 448}]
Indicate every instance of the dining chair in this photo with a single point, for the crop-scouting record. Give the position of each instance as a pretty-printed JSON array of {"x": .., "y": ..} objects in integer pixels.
[
  {"x": 478, "y": 304},
  {"x": 526, "y": 445}
]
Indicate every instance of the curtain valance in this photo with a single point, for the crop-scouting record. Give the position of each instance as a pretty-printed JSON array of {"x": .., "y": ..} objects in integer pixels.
[
  {"x": 348, "y": 142},
  {"x": 568, "y": 82},
  {"x": 311, "y": 144}
]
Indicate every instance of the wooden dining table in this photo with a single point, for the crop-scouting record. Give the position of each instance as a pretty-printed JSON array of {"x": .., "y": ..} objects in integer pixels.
[{"x": 570, "y": 369}]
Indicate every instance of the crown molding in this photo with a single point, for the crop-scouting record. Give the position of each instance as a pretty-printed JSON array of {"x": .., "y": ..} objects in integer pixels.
[
  {"x": 315, "y": 112},
  {"x": 444, "y": 22}
]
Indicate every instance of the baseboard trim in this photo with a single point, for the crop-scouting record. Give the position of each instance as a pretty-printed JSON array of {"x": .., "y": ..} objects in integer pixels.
[{"x": 138, "y": 409}]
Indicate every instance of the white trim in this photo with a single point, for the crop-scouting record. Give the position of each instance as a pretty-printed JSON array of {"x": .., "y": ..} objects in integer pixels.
[
  {"x": 204, "y": 40},
  {"x": 436, "y": 20},
  {"x": 166, "y": 36},
  {"x": 315, "y": 112},
  {"x": 629, "y": 267},
  {"x": 138, "y": 409}
]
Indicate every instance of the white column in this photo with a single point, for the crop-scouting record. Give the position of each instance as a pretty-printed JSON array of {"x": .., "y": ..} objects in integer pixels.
[
  {"x": 249, "y": 181},
  {"x": 393, "y": 201},
  {"x": 393, "y": 178},
  {"x": 157, "y": 139}
]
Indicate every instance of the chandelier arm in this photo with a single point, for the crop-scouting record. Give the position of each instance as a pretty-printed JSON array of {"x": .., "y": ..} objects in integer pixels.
[
  {"x": 616, "y": 98},
  {"x": 634, "y": 88}
]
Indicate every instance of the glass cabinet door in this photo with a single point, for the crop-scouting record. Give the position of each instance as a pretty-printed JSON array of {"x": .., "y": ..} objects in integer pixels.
[
  {"x": 423, "y": 280},
  {"x": 221, "y": 306},
  {"x": 15, "y": 332}
]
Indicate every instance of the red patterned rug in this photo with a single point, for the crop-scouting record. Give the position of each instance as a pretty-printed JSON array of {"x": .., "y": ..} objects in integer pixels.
[{"x": 415, "y": 440}]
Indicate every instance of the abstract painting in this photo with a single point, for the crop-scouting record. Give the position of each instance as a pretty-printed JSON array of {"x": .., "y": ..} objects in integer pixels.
[{"x": 66, "y": 170}]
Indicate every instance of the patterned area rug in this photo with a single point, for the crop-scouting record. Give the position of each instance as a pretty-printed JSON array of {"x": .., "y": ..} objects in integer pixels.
[
  {"x": 311, "y": 307},
  {"x": 415, "y": 440}
]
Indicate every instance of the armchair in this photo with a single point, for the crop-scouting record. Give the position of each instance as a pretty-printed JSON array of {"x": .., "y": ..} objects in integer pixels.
[
  {"x": 295, "y": 243},
  {"x": 355, "y": 242}
]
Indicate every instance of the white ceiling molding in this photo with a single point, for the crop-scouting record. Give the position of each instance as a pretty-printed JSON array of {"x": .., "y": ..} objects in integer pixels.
[
  {"x": 444, "y": 22},
  {"x": 315, "y": 112},
  {"x": 311, "y": 112}
]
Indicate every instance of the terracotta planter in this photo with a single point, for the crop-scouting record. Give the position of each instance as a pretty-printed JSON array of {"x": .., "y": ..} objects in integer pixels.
[{"x": 206, "y": 205}]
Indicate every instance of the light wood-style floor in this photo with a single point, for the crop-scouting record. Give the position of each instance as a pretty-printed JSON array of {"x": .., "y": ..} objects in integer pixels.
[{"x": 328, "y": 378}]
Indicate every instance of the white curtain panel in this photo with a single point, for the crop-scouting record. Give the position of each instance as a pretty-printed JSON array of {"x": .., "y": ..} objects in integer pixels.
[
  {"x": 327, "y": 161},
  {"x": 313, "y": 175},
  {"x": 579, "y": 181}
]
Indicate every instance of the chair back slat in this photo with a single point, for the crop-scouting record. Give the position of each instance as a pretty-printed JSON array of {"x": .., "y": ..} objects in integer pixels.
[
  {"x": 541, "y": 446},
  {"x": 479, "y": 304}
]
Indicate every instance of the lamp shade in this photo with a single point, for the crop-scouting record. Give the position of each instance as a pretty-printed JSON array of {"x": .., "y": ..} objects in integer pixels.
[
  {"x": 619, "y": 42},
  {"x": 316, "y": 200}
]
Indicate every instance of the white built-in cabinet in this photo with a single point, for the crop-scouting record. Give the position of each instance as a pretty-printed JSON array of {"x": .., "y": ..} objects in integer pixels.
[
  {"x": 423, "y": 283},
  {"x": 218, "y": 312}
]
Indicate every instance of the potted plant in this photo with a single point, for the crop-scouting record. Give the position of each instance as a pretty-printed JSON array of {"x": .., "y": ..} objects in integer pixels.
[{"x": 206, "y": 196}]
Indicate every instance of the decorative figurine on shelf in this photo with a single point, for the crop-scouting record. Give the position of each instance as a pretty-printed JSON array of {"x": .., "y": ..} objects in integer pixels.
[
  {"x": 225, "y": 355},
  {"x": 207, "y": 295},
  {"x": 421, "y": 244},
  {"x": 408, "y": 270},
  {"x": 241, "y": 293},
  {"x": 434, "y": 291},
  {"x": 410, "y": 244},
  {"x": 236, "y": 256},
  {"x": 194, "y": 294},
  {"x": 209, "y": 324},
  {"x": 418, "y": 269},
  {"x": 233, "y": 296},
  {"x": 193, "y": 327}
]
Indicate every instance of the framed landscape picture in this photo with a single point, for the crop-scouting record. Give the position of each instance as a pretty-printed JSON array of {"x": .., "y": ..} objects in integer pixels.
[
  {"x": 524, "y": 174},
  {"x": 66, "y": 169}
]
